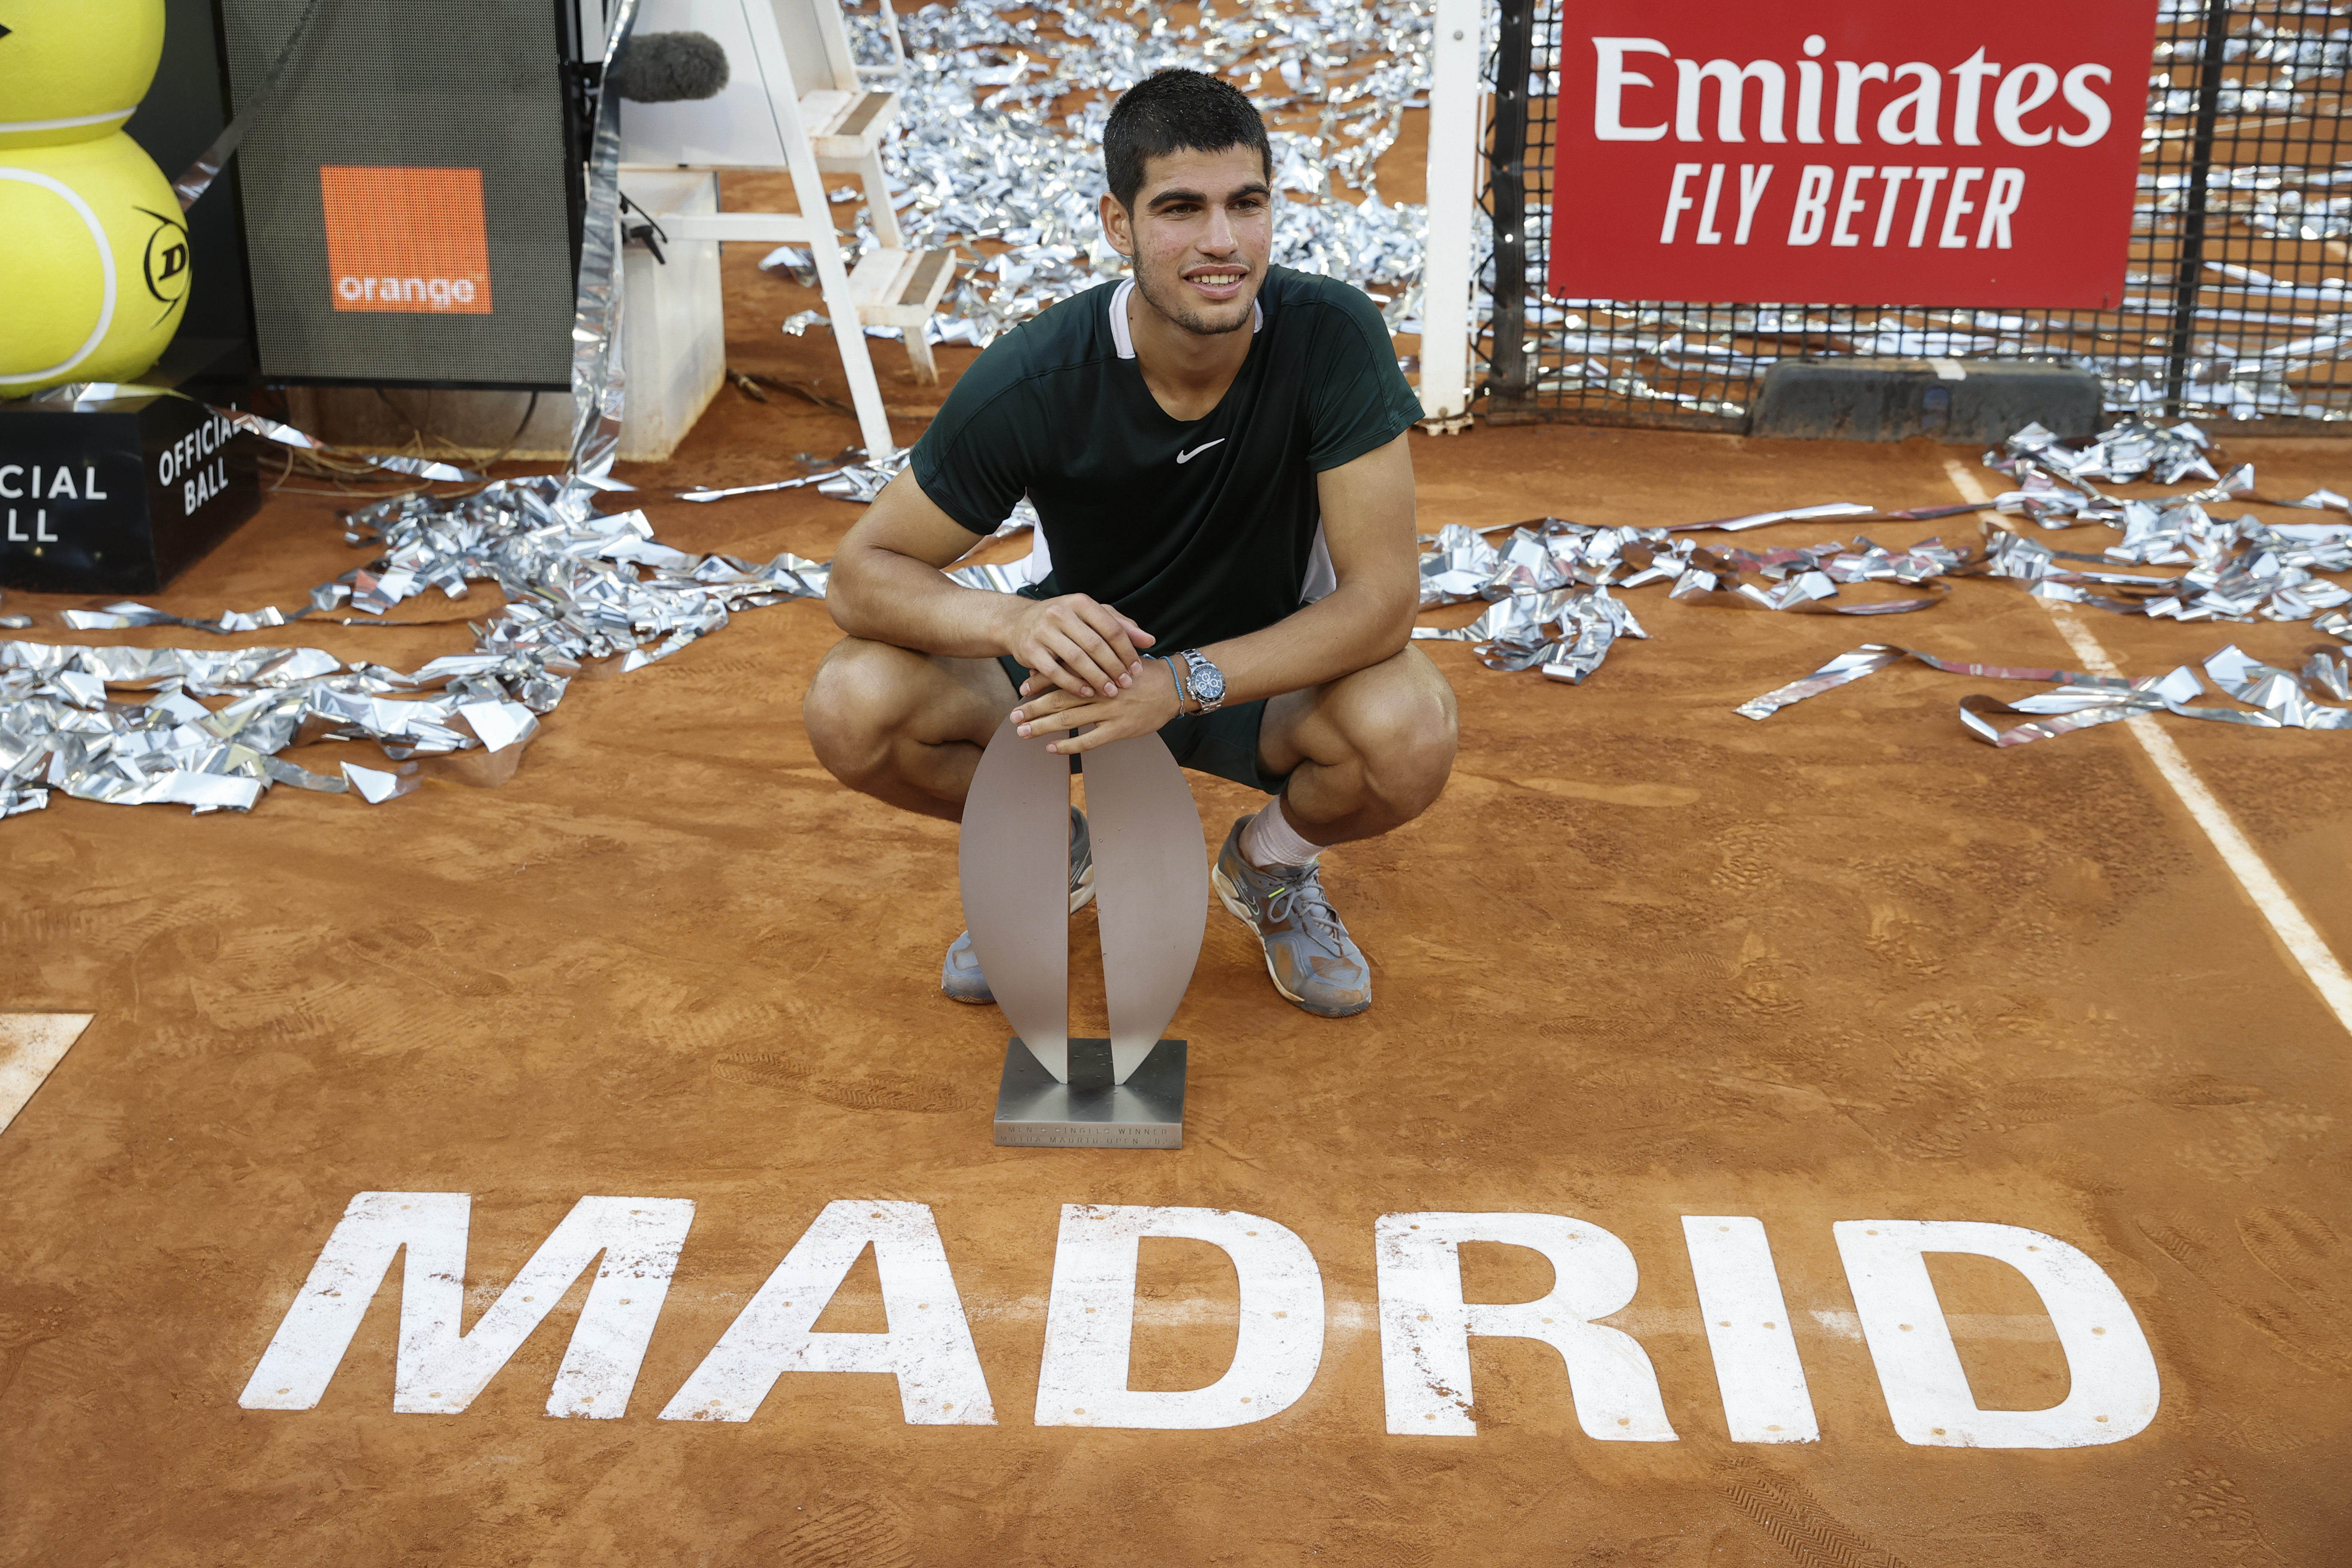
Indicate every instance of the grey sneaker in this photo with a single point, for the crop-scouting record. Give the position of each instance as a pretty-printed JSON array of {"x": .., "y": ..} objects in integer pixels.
[
  {"x": 960, "y": 977},
  {"x": 1309, "y": 953}
]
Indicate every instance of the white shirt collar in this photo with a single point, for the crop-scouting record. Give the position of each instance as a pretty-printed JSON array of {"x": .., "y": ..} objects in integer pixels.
[{"x": 1123, "y": 339}]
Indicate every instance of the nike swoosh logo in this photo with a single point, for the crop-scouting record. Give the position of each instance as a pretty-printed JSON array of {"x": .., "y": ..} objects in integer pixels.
[{"x": 1188, "y": 457}]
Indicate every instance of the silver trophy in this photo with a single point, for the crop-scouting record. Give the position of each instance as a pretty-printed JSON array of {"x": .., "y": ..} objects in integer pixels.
[{"x": 1152, "y": 882}]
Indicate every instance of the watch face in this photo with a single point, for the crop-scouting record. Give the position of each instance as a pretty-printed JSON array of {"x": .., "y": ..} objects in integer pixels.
[{"x": 1208, "y": 682}]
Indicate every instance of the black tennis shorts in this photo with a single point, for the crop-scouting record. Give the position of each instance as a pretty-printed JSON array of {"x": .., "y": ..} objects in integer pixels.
[{"x": 1224, "y": 743}]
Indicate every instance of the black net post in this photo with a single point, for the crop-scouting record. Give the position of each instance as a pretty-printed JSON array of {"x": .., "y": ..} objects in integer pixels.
[
  {"x": 1508, "y": 195},
  {"x": 2212, "y": 45}
]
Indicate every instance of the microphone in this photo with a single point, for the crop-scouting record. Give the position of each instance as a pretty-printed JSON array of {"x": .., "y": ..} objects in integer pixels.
[{"x": 670, "y": 68}]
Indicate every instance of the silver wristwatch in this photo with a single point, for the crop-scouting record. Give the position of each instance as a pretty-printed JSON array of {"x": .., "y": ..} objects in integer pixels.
[{"x": 1207, "y": 682}]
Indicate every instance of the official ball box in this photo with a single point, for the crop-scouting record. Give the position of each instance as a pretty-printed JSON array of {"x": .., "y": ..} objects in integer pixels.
[{"x": 120, "y": 497}]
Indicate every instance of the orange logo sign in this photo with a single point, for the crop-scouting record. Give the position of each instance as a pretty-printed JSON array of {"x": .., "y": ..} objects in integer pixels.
[{"x": 406, "y": 239}]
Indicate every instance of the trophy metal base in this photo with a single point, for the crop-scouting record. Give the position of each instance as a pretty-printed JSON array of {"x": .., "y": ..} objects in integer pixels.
[{"x": 1035, "y": 1109}]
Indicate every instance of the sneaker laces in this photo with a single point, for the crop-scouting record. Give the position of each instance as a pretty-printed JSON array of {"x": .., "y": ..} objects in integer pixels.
[{"x": 1299, "y": 892}]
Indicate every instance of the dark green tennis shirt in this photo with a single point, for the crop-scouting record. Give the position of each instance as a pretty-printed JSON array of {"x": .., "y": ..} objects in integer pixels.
[{"x": 1198, "y": 530}]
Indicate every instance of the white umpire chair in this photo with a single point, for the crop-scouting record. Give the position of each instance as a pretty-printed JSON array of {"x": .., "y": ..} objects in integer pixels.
[
  {"x": 847, "y": 122},
  {"x": 796, "y": 104},
  {"x": 888, "y": 17}
]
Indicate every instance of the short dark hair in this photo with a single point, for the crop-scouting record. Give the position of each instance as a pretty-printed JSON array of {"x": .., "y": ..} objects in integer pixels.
[{"x": 1177, "y": 110}]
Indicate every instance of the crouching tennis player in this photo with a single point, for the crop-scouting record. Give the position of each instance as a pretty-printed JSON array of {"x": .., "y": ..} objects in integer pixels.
[{"x": 1217, "y": 450}]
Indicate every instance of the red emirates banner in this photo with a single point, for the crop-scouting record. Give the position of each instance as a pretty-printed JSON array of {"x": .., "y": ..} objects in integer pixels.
[{"x": 1849, "y": 153}]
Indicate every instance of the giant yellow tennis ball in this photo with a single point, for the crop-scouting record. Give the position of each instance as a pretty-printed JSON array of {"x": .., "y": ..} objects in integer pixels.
[
  {"x": 72, "y": 71},
  {"x": 96, "y": 262}
]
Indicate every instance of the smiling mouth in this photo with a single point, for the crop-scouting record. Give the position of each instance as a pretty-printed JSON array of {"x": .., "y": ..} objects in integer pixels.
[{"x": 1215, "y": 279}]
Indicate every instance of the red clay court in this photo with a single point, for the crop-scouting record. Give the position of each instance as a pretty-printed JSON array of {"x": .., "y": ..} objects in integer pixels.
[{"x": 1645, "y": 959}]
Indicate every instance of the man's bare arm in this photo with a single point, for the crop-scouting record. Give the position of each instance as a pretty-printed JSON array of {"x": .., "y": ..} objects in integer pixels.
[
  {"x": 887, "y": 586},
  {"x": 1367, "y": 526}
]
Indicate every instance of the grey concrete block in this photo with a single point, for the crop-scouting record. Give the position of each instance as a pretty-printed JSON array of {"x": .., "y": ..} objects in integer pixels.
[{"x": 1949, "y": 400}]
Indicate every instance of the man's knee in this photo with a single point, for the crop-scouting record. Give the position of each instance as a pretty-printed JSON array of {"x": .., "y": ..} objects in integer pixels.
[
  {"x": 1402, "y": 723},
  {"x": 859, "y": 698}
]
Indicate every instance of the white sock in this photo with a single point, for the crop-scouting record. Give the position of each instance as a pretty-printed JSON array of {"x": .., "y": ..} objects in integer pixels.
[{"x": 1269, "y": 840}]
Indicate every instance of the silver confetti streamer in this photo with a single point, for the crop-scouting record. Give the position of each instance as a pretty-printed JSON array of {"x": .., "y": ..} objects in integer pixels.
[
  {"x": 1555, "y": 575},
  {"x": 988, "y": 152},
  {"x": 2275, "y": 699},
  {"x": 850, "y": 476},
  {"x": 2239, "y": 569},
  {"x": 199, "y": 176},
  {"x": 597, "y": 382},
  {"x": 596, "y": 593},
  {"x": 89, "y": 393}
]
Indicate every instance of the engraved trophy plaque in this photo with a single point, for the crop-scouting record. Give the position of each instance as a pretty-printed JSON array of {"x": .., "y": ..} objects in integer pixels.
[{"x": 1153, "y": 902}]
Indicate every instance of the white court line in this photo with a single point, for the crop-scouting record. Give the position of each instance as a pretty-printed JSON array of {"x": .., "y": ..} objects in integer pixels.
[
  {"x": 31, "y": 1043},
  {"x": 2253, "y": 873}
]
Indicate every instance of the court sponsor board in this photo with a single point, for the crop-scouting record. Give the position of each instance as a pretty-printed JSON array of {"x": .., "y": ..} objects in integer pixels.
[
  {"x": 406, "y": 239},
  {"x": 1837, "y": 154}
]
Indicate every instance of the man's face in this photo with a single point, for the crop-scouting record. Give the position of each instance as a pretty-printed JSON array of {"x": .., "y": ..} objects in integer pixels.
[{"x": 1200, "y": 234}]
